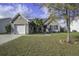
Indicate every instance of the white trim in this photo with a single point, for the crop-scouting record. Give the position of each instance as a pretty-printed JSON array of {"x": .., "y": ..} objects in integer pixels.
[
  {"x": 24, "y": 17},
  {"x": 21, "y": 16}
]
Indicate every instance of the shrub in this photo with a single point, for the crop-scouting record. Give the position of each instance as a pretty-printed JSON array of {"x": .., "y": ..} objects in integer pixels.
[
  {"x": 74, "y": 31},
  {"x": 8, "y": 28}
]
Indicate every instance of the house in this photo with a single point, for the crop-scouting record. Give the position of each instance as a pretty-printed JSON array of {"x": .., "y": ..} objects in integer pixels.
[
  {"x": 20, "y": 25},
  {"x": 3, "y": 23},
  {"x": 74, "y": 26}
]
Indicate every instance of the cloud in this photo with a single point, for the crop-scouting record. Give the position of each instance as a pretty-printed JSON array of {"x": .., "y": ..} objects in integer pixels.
[
  {"x": 23, "y": 9},
  {"x": 45, "y": 13},
  {"x": 5, "y": 10},
  {"x": 11, "y": 11},
  {"x": 1, "y": 16}
]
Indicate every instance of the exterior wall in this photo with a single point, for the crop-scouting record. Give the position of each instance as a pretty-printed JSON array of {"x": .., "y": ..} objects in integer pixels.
[
  {"x": 58, "y": 28},
  {"x": 50, "y": 27},
  {"x": 53, "y": 28},
  {"x": 27, "y": 29},
  {"x": 20, "y": 20}
]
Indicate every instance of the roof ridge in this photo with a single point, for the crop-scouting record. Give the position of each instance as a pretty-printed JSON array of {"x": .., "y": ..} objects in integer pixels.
[{"x": 17, "y": 15}]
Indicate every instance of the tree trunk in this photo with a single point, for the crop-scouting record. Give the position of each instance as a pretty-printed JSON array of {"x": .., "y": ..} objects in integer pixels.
[
  {"x": 68, "y": 40},
  {"x": 68, "y": 31},
  {"x": 68, "y": 35}
]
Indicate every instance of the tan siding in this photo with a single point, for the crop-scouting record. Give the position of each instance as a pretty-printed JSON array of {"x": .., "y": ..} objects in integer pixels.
[{"x": 20, "y": 20}]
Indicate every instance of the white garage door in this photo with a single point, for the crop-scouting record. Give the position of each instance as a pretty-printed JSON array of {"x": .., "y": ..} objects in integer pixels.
[{"x": 20, "y": 29}]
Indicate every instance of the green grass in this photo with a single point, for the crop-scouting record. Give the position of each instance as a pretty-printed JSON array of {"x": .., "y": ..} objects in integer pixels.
[{"x": 41, "y": 46}]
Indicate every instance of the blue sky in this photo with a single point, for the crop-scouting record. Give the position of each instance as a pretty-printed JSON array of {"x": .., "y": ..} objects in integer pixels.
[{"x": 27, "y": 9}]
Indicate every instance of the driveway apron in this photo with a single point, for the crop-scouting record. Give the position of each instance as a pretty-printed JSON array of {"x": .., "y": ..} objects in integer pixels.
[{"x": 5, "y": 38}]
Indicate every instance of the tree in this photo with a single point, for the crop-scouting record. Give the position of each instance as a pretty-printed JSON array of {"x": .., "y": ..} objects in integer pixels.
[
  {"x": 38, "y": 24},
  {"x": 65, "y": 9},
  {"x": 8, "y": 28}
]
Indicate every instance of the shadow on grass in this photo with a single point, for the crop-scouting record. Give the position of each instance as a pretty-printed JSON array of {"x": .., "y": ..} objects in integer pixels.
[{"x": 77, "y": 38}]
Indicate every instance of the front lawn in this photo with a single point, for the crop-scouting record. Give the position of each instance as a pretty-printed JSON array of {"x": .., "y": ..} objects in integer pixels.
[{"x": 41, "y": 45}]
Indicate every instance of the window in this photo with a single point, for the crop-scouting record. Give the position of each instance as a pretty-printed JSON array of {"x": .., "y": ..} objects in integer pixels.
[{"x": 55, "y": 27}]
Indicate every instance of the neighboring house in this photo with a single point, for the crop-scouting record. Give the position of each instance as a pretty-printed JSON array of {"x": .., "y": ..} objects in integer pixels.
[
  {"x": 20, "y": 25},
  {"x": 3, "y": 23},
  {"x": 54, "y": 26},
  {"x": 74, "y": 26}
]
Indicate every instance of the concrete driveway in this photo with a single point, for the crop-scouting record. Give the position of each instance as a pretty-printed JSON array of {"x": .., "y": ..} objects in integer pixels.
[{"x": 5, "y": 38}]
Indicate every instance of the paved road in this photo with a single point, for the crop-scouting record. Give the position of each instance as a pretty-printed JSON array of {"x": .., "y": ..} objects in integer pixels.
[{"x": 5, "y": 38}]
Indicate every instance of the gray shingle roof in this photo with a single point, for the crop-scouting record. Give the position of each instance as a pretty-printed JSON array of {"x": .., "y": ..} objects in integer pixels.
[{"x": 5, "y": 19}]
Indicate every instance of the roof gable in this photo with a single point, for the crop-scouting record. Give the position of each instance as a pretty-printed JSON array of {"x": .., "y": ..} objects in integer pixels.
[
  {"x": 20, "y": 19},
  {"x": 50, "y": 21}
]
